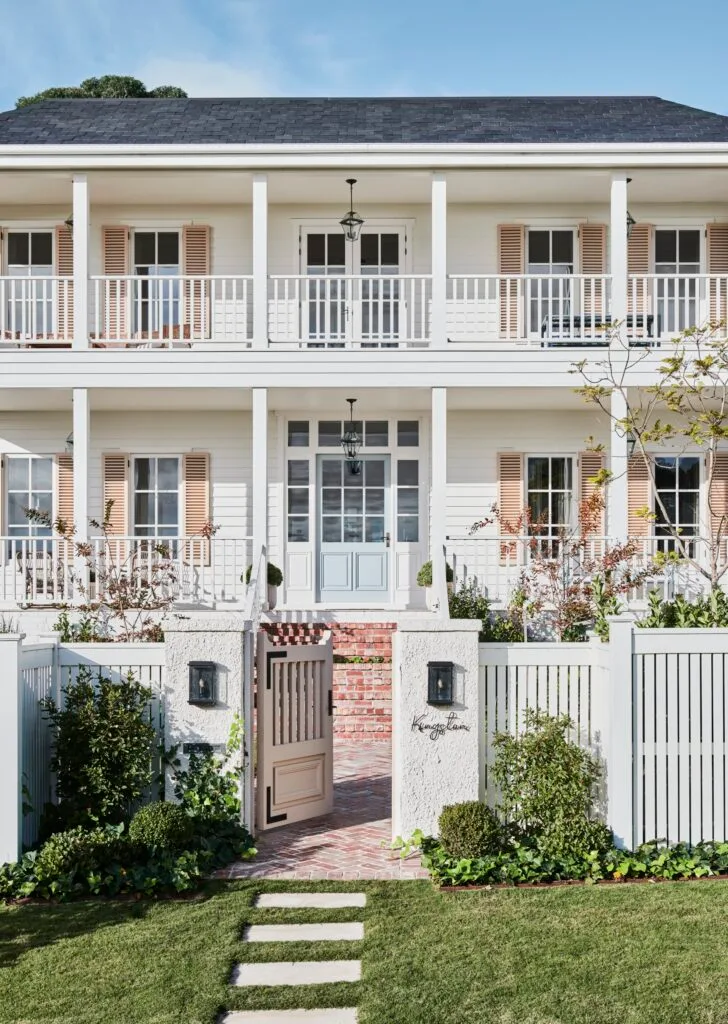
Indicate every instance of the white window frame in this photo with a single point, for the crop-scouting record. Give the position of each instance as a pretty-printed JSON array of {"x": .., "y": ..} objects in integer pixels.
[
  {"x": 664, "y": 541},
  {"x": 133, "y": 490},
  {"x": 535, "y": 289},
  {"x": 160, "y": 303},
  {"x": 573, "y": 502},
  {"x": 32, "y": 527}
]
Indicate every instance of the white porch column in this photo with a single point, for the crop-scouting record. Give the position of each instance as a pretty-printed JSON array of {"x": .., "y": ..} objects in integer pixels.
[
  {"x": 80, "y": 260},
  {"x": 438, "y": 498},
  {"x": 260, "y": 261},
  {"x": 81, "y": 433},
  {"x": 11, "y": 749},
  {"x": 438, "y": 319},
  {"x": 260, "y": 471},
  {"x": 618, "y": 255},
  {"x": 617, "y": 494}
]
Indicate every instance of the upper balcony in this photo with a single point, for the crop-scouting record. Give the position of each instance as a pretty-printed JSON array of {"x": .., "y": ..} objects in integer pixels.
[{"x": 481, "y": 261}]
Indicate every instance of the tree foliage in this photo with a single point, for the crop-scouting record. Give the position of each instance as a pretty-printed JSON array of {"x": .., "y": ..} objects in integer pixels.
[{"x": 107, "y": 87}]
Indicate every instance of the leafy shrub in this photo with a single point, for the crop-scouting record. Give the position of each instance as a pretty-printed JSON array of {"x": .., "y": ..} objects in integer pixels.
[
  {"x": 424, "y": 576},
  {"x": 706, "y": 612},
  {"x": 547, "y": 787},
  {"x": 102, "y": 748},
  {"x": 210, "y": 785},
  {"x": 162, "y": 825},
  {"x": 78, "y": 849},
  {"x": 469, "y": 829},
  {"x": 274, "y": 575}
]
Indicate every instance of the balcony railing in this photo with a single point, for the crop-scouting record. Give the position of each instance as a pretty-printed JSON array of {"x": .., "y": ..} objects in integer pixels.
[
  {"x": 36, "y": 312},
  {"x": 191, "y": 570},
  {"x": 495, "y": 564},
  {"x": 370, "y": 311},
  {"x": 356, "y": 311},
  {"x": 171, "y": 312}
]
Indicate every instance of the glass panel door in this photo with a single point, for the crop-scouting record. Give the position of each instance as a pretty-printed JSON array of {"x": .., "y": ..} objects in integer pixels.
[
  {"x": 354, "y": 530},
  {"x": 380, "y": 304},
  {"x": 550, "y": 254},
  {"x": 677, "y": 253},
  {"x": 324, "y": 311},
  {"x": 30, "y": 309}
]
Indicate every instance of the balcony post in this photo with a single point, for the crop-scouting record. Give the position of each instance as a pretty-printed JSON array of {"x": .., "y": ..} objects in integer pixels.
[
  {"x": 81, "y": 434},
  {"x": 260, "y": 261},
  {"x": 618, "y": 257},
  {"x": 438, "y": 318},
  {"x": 80, "y": 260},
  {"x": 617, "y": 494},
  {"x": 438, "y": 498},
  {"x": 260, "y": 474}
]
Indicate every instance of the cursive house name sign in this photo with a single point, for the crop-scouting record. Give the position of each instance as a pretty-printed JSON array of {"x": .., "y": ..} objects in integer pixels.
[{"x": 436, "y": 729}]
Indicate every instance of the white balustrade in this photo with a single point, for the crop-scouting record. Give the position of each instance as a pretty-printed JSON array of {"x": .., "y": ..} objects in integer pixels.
[
  {"x": 36, "y": 311},
  {"x": 171, "y": 311},
  {"x": 367, "y": 311},
  {"x": 662, "y": 305},
  {"x": 191, "y": 570}
]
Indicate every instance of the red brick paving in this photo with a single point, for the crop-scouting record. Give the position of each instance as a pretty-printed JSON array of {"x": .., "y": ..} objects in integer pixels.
[{"x": 346, "y": 844}]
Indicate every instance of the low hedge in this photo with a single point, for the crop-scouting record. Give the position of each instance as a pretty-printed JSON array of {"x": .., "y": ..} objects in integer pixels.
[{"x": 523, "y": 862}]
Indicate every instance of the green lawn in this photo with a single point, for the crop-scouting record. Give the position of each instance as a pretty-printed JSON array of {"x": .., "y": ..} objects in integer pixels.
[{"x": 632, "y": 954}]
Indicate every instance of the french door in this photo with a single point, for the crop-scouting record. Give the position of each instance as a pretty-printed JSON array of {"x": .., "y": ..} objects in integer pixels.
[
  {"x": 354, "y": 529},
  {"x": 549, "y": 264},
  {"x": 354, "y": 293},
  {"x": 677, "y": 266}
]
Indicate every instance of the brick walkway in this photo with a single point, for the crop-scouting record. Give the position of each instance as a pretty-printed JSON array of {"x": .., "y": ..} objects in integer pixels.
[{"x": 346, "y": 844}]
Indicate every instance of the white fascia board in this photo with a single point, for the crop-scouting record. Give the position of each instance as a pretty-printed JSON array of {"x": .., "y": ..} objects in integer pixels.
[{"x": 70, "y": 157}]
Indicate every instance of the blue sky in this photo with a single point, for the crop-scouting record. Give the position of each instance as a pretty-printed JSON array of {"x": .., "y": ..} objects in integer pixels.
[{"x": 381, "y": 47}]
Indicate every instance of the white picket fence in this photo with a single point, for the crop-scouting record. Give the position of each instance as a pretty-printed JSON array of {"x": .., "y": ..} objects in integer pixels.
[{"x": 651, "y": 705}]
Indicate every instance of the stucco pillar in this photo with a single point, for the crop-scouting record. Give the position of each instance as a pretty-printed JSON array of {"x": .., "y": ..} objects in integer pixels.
[{"x": 437, "y": 751}]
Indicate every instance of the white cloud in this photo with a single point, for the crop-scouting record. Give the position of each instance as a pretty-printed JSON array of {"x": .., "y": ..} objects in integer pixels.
[{"x": 200, "y": 77}]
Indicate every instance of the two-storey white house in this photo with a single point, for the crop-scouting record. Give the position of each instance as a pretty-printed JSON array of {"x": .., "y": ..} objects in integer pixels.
[{"x": 183, "y": 320}]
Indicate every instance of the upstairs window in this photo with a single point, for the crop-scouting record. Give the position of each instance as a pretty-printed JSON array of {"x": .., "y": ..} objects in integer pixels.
[
  {"x": 550, "y": 252},
  {"x": 30, "y": 254},
  {"x": 156, "y": 302}
]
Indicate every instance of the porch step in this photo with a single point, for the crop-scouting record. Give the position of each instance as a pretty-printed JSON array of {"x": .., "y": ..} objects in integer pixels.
[
  {"x": 349, "y": 931},
  {"x": 310, "y": 900},
  {"x": 333, "y": 1016},
  {"x": 306, "y": 972}
]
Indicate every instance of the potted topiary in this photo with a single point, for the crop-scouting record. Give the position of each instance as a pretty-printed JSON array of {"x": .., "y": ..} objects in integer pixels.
[
  {"x": 424, "y": 576},
  {"x": 275, "y": 578}
]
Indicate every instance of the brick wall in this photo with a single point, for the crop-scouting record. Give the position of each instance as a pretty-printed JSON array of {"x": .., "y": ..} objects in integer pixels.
[{"x": 362, "y": 687}]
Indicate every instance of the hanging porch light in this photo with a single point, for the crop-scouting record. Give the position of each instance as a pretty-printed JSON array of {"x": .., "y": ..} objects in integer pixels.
[
  {"x": 351, "y": 443},
  {"x": 352, "y": 222},
  {"x": 630, "y": 219}
]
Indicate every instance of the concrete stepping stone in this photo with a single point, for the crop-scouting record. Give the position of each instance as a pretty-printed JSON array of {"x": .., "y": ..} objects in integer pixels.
[
  {"x": 348, "y": 931},
  {"x": 305, "y": 972},
  {"x": 333, "y": 1016},
  {"x": 310, "y": 900}
]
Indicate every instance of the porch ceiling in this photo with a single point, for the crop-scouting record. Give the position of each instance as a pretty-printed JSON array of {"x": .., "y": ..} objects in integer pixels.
[{"x": 525, "y": 187}]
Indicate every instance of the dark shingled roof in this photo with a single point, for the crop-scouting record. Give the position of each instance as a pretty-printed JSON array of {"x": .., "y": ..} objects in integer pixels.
[{"x": 469, "y": 119}]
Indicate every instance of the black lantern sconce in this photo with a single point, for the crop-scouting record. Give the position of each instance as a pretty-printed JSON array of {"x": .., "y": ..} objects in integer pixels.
[
  {"x": 351, "y": 222},
  {"x": 203, "y": 683},
  {"x": 631, "y": 444},
  {"x": 351, "y": 443},
  {"x": 630, "y": 219},
  {"x": 440, "y": 682}
]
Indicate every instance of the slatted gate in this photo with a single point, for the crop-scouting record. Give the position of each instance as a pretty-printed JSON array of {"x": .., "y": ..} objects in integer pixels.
[{"x": 295, "y": 777}]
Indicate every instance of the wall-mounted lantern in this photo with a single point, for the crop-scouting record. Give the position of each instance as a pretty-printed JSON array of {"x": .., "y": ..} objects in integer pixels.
[
  {"x": 631, "y": 444},
  {"x": 440, "y": 682},
  {"x": 203, "y": 683}
]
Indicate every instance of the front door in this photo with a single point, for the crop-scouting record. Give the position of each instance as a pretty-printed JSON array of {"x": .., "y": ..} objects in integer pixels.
[{"x": 354, "y": 530}]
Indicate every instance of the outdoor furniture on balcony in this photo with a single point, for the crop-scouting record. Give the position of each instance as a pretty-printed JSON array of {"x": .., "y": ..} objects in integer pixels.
[{"x": 591, "y": 329}]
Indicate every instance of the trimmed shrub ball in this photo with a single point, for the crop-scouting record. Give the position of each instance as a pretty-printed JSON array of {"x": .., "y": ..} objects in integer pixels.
[
  {"x": 470, "y": 830},
  {"x": 161, "y": 825}
]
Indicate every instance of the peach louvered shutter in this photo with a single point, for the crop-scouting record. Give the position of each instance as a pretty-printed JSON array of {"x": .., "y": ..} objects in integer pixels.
[
  {"x": 719, "y": 497},
  {"x": 590, "y": 464},
  {"x": 510, "y": 502},
  {"x": 638, "y": 266},
  {"x": 115, "y": 244},
  {"x": 64, "y": 269},
  {"x": 64, "y": 497},
  {"x": 718, "y": 264},
  {"x": 116, "y": 490},
  {"x": 196, "y": 503},
  {"x": 593, "y": 265},
  {"x": 638, "y": 496},
  {"x": 511, "y": 261},
  {"x": 196, "y": 265}
]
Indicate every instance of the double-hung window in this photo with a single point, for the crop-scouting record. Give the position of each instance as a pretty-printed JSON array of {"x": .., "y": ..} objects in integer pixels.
[
  {"x": 29, "y": 486},
  {"x": 676, "y": 502},
  {"x": 549, "y": 484},
  {"x": 157, "y": 503},
  {"x": 30, "y": 304},
  {"x": 156, "y": 300},
  {"x": 550, "y": 264}
]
